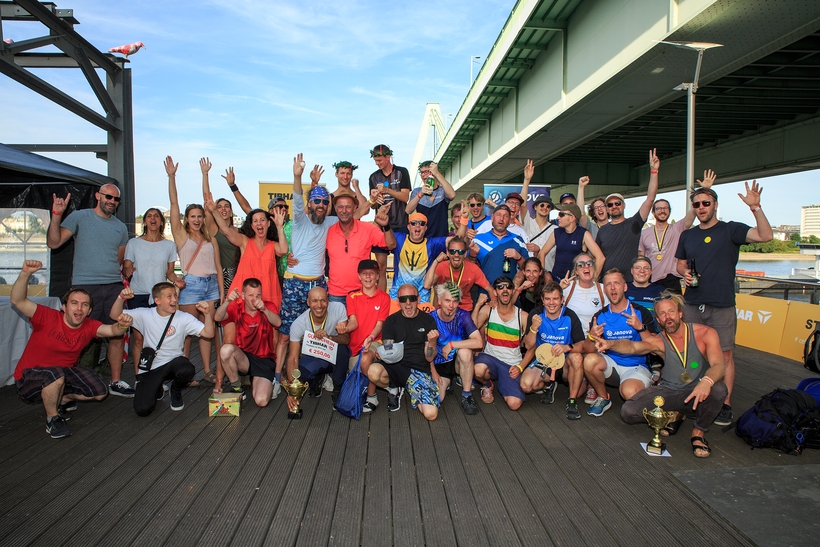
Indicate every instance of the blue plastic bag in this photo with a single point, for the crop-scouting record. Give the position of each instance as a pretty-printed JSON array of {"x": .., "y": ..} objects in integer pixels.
[{"x": 354, "y": 392}]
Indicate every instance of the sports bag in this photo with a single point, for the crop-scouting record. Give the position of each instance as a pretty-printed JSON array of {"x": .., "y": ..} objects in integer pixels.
[
  {"x": 786, "y": 420},
  {"x": 811, "y": 351},
  {"x": 354, "y": 391}
]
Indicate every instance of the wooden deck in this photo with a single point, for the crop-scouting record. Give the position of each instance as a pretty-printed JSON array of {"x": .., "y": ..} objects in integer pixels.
[{"x": 499, "y": 478}]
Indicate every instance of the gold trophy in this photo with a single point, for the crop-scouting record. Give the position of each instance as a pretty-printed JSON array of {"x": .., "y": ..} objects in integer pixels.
[
  {"x": 297, "y": 390},
  {"x": 658, "y": 418}
]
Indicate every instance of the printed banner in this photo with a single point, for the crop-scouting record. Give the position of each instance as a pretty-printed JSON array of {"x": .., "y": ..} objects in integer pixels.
[
  {"x": 324, "y": 349},
  {"x": 498, "y": 192},
  {"x": 270, "y": 190},
  {"x": 799, "y": 325},
  {"x": 760, "y": 322}
]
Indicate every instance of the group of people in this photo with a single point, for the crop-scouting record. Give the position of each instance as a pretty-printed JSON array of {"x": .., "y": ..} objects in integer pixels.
[{"x": 506, "y": 301}]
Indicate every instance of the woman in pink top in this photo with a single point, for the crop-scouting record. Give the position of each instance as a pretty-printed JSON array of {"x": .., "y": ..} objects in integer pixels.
[{"x": 201, "y": 267}]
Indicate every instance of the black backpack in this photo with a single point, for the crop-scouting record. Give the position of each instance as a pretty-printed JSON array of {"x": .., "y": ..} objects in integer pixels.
[
  {"x": 811, "y": 351},
  {"x": 785, "y": 419}
]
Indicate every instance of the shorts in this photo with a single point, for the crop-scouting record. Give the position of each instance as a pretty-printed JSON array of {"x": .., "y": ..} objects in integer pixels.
[
  {"x": 500, "y": 374},
  {"x": 380, "y": 250},
  {"x": 447, "y": 370},
  {"x": 103, "y": 297},
  {"x": 397, "y": 373},
  {"x": 639, "y": 372},
  {"x": 422, "y": 389},
  {"x": 294, "y": 300},
  {"x": 339, "y": 299},
  {"x": 261, "y": 367},
  {"x": 374, "y": 346},
  {"x": 721, "y": 318},
  {"x": 198, "y": 289},
  {"x": 141, "y": 301},
  {"x": 227, "y": 278},
  {"x": 78, "y": 381}
]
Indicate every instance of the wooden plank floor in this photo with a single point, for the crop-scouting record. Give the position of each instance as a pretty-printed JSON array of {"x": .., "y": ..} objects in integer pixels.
[{"x": 499, "y": 478}]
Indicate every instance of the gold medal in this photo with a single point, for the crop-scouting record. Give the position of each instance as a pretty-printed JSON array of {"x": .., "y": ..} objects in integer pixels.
[
  {"x": 685, "y": 377},
  {"x": 659, "y": 256}
]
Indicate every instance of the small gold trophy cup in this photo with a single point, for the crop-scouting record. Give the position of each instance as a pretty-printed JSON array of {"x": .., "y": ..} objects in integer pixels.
[
  {"x": 297, "y": 390},
  {"x": 657, "y": 418}
]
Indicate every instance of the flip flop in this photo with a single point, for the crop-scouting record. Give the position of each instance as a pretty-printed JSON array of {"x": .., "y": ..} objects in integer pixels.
[
  {"x": 704, "y": 447},
  {"x": 672, "y": 428}
]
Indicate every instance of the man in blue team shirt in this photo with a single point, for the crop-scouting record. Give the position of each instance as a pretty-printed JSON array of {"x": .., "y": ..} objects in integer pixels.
[
  {"x": 457, "y": 338},
  {"x": 621, "y": 320},
  {"x": 498, "y": 245},
  {"x": 555, "y": 324}
]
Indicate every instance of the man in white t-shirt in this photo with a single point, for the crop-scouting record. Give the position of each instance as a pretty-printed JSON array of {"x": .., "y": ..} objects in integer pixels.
[{"x": 169, "y": 362}]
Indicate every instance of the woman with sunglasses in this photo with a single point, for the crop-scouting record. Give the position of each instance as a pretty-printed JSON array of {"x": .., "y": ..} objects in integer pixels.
[
  {"x": 569, "y": 239},
  {"x": 200, "y": 263}
]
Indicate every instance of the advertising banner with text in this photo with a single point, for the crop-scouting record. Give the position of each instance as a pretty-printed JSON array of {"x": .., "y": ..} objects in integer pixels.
[
  {"x": 760, "y": 322},
  {"x": 801, "y": 322},
  {"x": 498, "y": 192}
]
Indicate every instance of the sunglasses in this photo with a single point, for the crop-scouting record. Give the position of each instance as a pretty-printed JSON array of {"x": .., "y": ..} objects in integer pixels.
[
  {"x": 417, "y": 223},
  {"x": 587, "y": 264},
  {"x": 699, "y": 204},
  {"x": 318, "y": 201},
  {"x": 662, "y": 298},
  {"x": 476, "y": 205},
  {"x": 502, "y": 286},
  {"x": 543, "y": 204},
  {"x": 614, "y": 203},
  {"x": 457, "y": 251},
  {"x": 408, "y": 298},
  {"x": 112, "y": 198},
  {"x": 564, "y": 214},
  {"x": 281, "y": 206}
]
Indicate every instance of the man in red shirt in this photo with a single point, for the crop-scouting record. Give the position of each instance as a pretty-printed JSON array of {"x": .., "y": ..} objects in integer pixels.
[
  {"x": 252, "y": 351},
  {"x": 452, "y": 266},
  {"x": 366, "y": 311},
  {"x": 46, "y": 371}
]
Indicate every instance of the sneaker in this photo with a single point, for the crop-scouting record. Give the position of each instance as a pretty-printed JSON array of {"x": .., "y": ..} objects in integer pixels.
[
  {"x": 487, "y": 393},
  {"x": 724, "y": 417},
  {"x": 548, "y": 395},
  {"x": 468, "y": 404},
  {"x": 315, "y": 391},
  {"x": 56, "y": 428},
  {"x": 449, "y": 389},
  {"x": 600, "y": 406},
  {"x": 177, "y": 403},
  {"x": 277, "y": 389},
  {"x": 69, "y": 406},
  {"x": 394, "y": 398},
  {"x": 572, "y": 410},
  {"x": 591, "y": 396},
  {"x": 240, "y": 389},
  {"x": 368, "y": 407},
  {"x": 327, "y": 385},
  {"x": 120, "y": 389}
]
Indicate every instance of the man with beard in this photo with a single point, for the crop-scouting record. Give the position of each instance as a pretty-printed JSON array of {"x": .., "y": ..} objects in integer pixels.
[
  {"x": 619, "y": 239},
  {"x": 389, "y": 183},
  {"x": 500, "y": 363},
  {"x": 458, "y": 337},
  {"x": 713, "y": 247},
  {"x": 99, "y": 249},
  {"x": 691, "y": 385},
  {"x": 47, "y": 371},
  {"x": 498, "y": 251},
  {"x": 452, "y": 266},
  {"x": 412, "y": 258},
  {"x": 554, "y": 324},
  {"x": 659, "y": 242},
  {"x": 409, "y": 363},
  {"x": 432, "y": 201},
  {"x": 621, "y": 320}
]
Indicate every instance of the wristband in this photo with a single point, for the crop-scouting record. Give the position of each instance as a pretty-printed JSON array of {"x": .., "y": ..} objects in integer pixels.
[
  {"x": 589, "y": 335},
  {"x": 533, "y": 331},
  {"x": 712, "y": 382},
  {"x": 754, "y": 209},
  {"x": 234, "y": 188},
  {"x": 653, "y": 171},
  {"x": 120, "y": 297},
  {"x": 53, "y": 212},
  {"x": 123, "y": 327},
  {"x": 464, "y": 220},
  {"x": 519, "y": 368},
  {"x": 386, "y": 229}
]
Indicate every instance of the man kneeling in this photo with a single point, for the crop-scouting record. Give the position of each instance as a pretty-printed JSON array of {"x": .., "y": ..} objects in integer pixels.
[
  {"x": 252, "y": 351},
  {"x": 46, "y": 372},
  {"x": 691, "y": 382}
]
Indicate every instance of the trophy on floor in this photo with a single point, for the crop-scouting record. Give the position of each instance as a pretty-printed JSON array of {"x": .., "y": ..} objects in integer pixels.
[
  {"x": 297, "y": 390},
  {"x": 657, "y": 418}
]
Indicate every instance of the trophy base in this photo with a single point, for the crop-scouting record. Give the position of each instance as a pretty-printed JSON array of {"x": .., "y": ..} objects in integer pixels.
[
  {"x": 657, "y": 450},
  {"x": 295, "y": 415}
]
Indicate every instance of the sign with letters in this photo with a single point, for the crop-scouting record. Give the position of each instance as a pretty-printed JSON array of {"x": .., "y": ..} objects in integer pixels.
[
  {"x": 760, "y": 322},
  {"x": 497, "y": 193},
  {"x": 321, "y": 348}
]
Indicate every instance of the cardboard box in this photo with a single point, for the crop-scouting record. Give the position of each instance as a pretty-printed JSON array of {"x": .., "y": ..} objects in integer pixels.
[{"x": 224, "y": 404}]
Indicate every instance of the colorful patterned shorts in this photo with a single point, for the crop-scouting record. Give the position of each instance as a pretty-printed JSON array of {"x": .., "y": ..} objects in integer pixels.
[
  {"x": 294, "y": 300},
  {"x": 423, "y": 390}
]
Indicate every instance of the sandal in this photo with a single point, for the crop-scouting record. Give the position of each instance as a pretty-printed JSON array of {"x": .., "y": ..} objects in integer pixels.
[
  {"x": 193, "y": 383},
  {"x": 672, "y": 427},
  {"x": 703, "y": 447},
  {"x": 209, "y": 377}
]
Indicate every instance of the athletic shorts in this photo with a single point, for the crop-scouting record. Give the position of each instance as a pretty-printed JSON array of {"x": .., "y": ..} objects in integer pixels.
[
  {"x": 721, "y": 318},
  {"x": 294, "y": 300},
  {"x": 78, "y": 381},
  {"x": 199, "y": 288},
  {"x": 422, "y": 389},
  {"x": 261, "y": 367},
  {"x": 447, "y": 370},
  {"x": 639, "y": 373},
  {"x": 500, "y": 374}
]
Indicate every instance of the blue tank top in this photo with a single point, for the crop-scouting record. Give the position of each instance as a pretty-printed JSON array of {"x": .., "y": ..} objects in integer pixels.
[{"x": 567, "y": 247}]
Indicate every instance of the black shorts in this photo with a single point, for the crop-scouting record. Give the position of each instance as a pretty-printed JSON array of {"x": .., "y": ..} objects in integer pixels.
[
  {"x": 380, "y": 250},
  {"x": 261, "y": 367},
  {"x": 398, "y": 374},
  {"x": 447, "y": 370},
  {"x": 104, "y": 297}
]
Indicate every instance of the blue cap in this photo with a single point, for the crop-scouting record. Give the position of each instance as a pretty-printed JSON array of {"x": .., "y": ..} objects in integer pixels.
[{"x": 318, "y": 192}]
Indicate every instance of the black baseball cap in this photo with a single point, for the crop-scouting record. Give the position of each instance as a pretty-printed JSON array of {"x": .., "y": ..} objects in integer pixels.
[{"x": 368, "y": 264}]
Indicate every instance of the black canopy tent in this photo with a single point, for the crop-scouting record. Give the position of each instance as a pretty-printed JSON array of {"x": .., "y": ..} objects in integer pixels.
[{"x": 28, "y": 181}]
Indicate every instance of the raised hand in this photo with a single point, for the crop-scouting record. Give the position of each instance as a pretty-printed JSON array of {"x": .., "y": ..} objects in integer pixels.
[
  {"x": 31, "y": 266},
  {"x": 279, "y": 217},
  {"x": 233, "y": 295},
  {"x": 298, "y": 165},
  {"x": 482, "y": 299},
  {"x": 205, "y": 165},
  {"x": 209, "y": 203},
  {"x": 381, "y": 216},
  {"x": 752, "y": 197},
  {"x": 229, "y": 177},
  {"x": 316, "y": 174},
  {"x": 432, "y": 336},
  {"x": 597, "y": 331},
  {"x": 259, "y": 304},
  {"x": 127, "y": 293},
  {"x": 442, "y": 257},
  {"x": 708, "y": 178},
  {"x": 632, "y": 319},
  {"x": 203, "y": 306},
  {"x": 124, "y": 320},
  {"x": 59, "y": 205},
  {"x": 529, "y": 171},
  {"x": 170, "y": 166},
  {"x": 654, "y": 161},
  {"x": 536, "y": 321},
  {"x": 434, "y": 169},
  {"x": 583, "y": 181},
  {"x": 567, "y": 280}
]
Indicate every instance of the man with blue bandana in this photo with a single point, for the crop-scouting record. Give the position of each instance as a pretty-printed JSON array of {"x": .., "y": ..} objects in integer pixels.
[{"x": 621, "y": 320}]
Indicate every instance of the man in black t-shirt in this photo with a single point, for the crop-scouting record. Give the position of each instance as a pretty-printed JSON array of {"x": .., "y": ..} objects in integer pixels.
[
  {"x": 388, "y": 183},
  {"x": 619, "y": 239},
  {"x": 715, "y": 247},
  {"x": 409, "y": 363}
]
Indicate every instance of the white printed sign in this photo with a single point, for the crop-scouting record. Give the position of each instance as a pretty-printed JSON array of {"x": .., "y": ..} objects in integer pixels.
[{"x": 324, "y": 349}]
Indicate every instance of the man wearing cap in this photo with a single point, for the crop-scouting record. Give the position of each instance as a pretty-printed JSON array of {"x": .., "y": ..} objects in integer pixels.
[
  {"x": 452, "y": 266},
  {"x": 659, "y": 242},
  {"x": 413, "y": 256},
  {"x": 499, "y": 251},
  {"x": 570, "y": 239},
  {"x": 514, "y": 203},
  {"x": 367, "y": 309},
  {"x": 432, "y": 201},
  {"x": 619, "y": 239},
  {"x": 500, "y": 363},
  {"x": 387, "y": 184},
  {"x": 538, "y": 228},
  {"x": 713, "y": 248}
]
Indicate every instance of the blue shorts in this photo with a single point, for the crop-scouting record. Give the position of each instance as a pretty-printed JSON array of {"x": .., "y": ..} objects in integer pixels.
[
  {"x": 422, "y": 389},
  {"x": 294, "y": 300},
  {"x": 199, "y": 288},
  {"x": 500, "y": 374}
]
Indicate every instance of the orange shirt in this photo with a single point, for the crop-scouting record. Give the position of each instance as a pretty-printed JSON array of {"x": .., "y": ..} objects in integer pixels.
[
  {"x": 368, "y": 311},
  {"x": 472, "y": 275},
  {"x": 345, "y": 253}
]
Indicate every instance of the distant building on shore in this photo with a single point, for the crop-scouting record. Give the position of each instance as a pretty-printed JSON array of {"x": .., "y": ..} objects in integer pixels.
[{"x": 810, "y": 221}]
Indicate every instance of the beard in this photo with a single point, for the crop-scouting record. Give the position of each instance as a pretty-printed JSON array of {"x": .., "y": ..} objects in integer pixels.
[{"x": 314, "y": 218}]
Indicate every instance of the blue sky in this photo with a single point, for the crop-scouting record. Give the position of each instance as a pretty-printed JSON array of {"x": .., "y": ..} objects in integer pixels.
[{"x": 250, "y": 83}]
